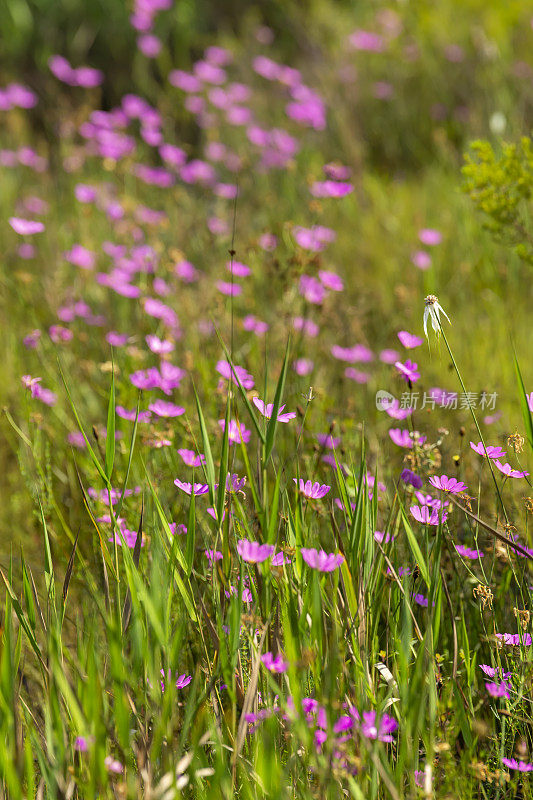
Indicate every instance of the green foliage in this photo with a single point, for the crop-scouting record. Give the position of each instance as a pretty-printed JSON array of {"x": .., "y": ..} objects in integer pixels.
[{"x": 500, "y": 184}]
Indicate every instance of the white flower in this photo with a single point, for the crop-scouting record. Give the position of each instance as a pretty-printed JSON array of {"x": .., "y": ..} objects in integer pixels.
[{"x": 432, "y": 312}]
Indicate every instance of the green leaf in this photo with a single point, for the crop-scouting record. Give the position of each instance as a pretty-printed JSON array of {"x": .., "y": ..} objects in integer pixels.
[
  {"x": 209, "y": 466},
  {"x": 130, "y": 457},
  {"x": 524, "y": 404},
  {"x": 191, "y": 537},
  {"x": 415, "y": 549},
  {"x": 110, "y": 433},
  {"x": 273, "y": 422},
  {"x": 92, "y": 454}
]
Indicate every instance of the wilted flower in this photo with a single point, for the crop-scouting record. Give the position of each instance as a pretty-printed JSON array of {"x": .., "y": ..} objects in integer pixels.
[{"x": 433, "y": 310}]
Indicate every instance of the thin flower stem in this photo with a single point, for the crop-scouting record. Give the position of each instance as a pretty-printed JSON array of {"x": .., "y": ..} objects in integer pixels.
[{"x": 475, "y": 422}]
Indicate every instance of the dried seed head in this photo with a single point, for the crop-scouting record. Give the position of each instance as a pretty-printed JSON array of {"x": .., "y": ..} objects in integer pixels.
[
  {"x": 484, "y": 594},
  {"x": 523, "y": 616},
  {"x": 516, "y": 442}
]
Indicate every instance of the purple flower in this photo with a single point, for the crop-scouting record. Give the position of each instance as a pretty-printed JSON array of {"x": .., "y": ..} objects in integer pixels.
[
  {"x": 158, "y": 346},
  {"x": 313, "y": 491},
  {"x": 266, "y": 410},
  {"x": 307, "y": 326},
  {"x": 315, "y": 238},
  {"x": 356, "y": 353},
  {"x": 521, "y": 766},
  {"x": 80, "y": 256},
  {"x": 515, "y": 639},
  {"x": 312, "y": 290},
  {"x": 381, "y": 729},
  {"x": 237, "y": 432},
  {"x": 181, "y": 680},
  {"x": 190, "y": 458},
  {"x": 238, "y": 269},
  {"x": 26, "y": 227},
  {"x": 331, "y": 188},
  {"x": 409, "y": 370},
  {"x": 328, "y": 441},
  {"x": 428, "y": 500},
  {"x": 214, "y": 555},
  {"x": 508, "y": 471},
  {"x": 257, "y": 326},
  {"x": 409, "y": 340},
  {"x": 498, "y": 689},
  {"x": 123, "y": 413},
  {"x": 405, "y": 439},
  {"x": 77, "y": 439},
  {"x": 229, "y": 289},
  {"x": 389, "y": 356},
  {"x": 80, "y": 744},
  {"x": 366, "y": 40},
  {"x": 383, "y": 538},
  {"x": 426, "y": 515},
  {"x": 420, "y": 600},
  {"x": 303, "y": 366},
  {"x": 254, "y": 552},
  {"x": 198, "y": 488},
  {"x": 430, "y": 237},
  {"x": 275, "y": 664},
  {"x": 410, "y": 477},
  {"x": 237, "y": 374},
  {"x": 164, "y": 409},
  {"x": 421, "y": 259},
  {"x": 177, "y": 529},
  {"x": 395, "y": 411},
  {"x": 267, "y": 241},
  {"x": 112, "y": 765},
  {"x": 330, "y": 280},
  {"x": 320, "y": 560},
  {"x": 149, "y": 45},
  {"x": 492, "y": 452},
  {"x": 279, "y": 559},
  {"x": 186, "y": 271},
  {"x": 467, "y": 552},
  {"x": 530, "y": 401},
  {"x": 446, "y": 484},
  {"x": 492, "y": 672}
]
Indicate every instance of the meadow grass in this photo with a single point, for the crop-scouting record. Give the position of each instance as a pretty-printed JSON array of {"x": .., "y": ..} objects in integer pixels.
[{"x": 228, "y": 570}]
